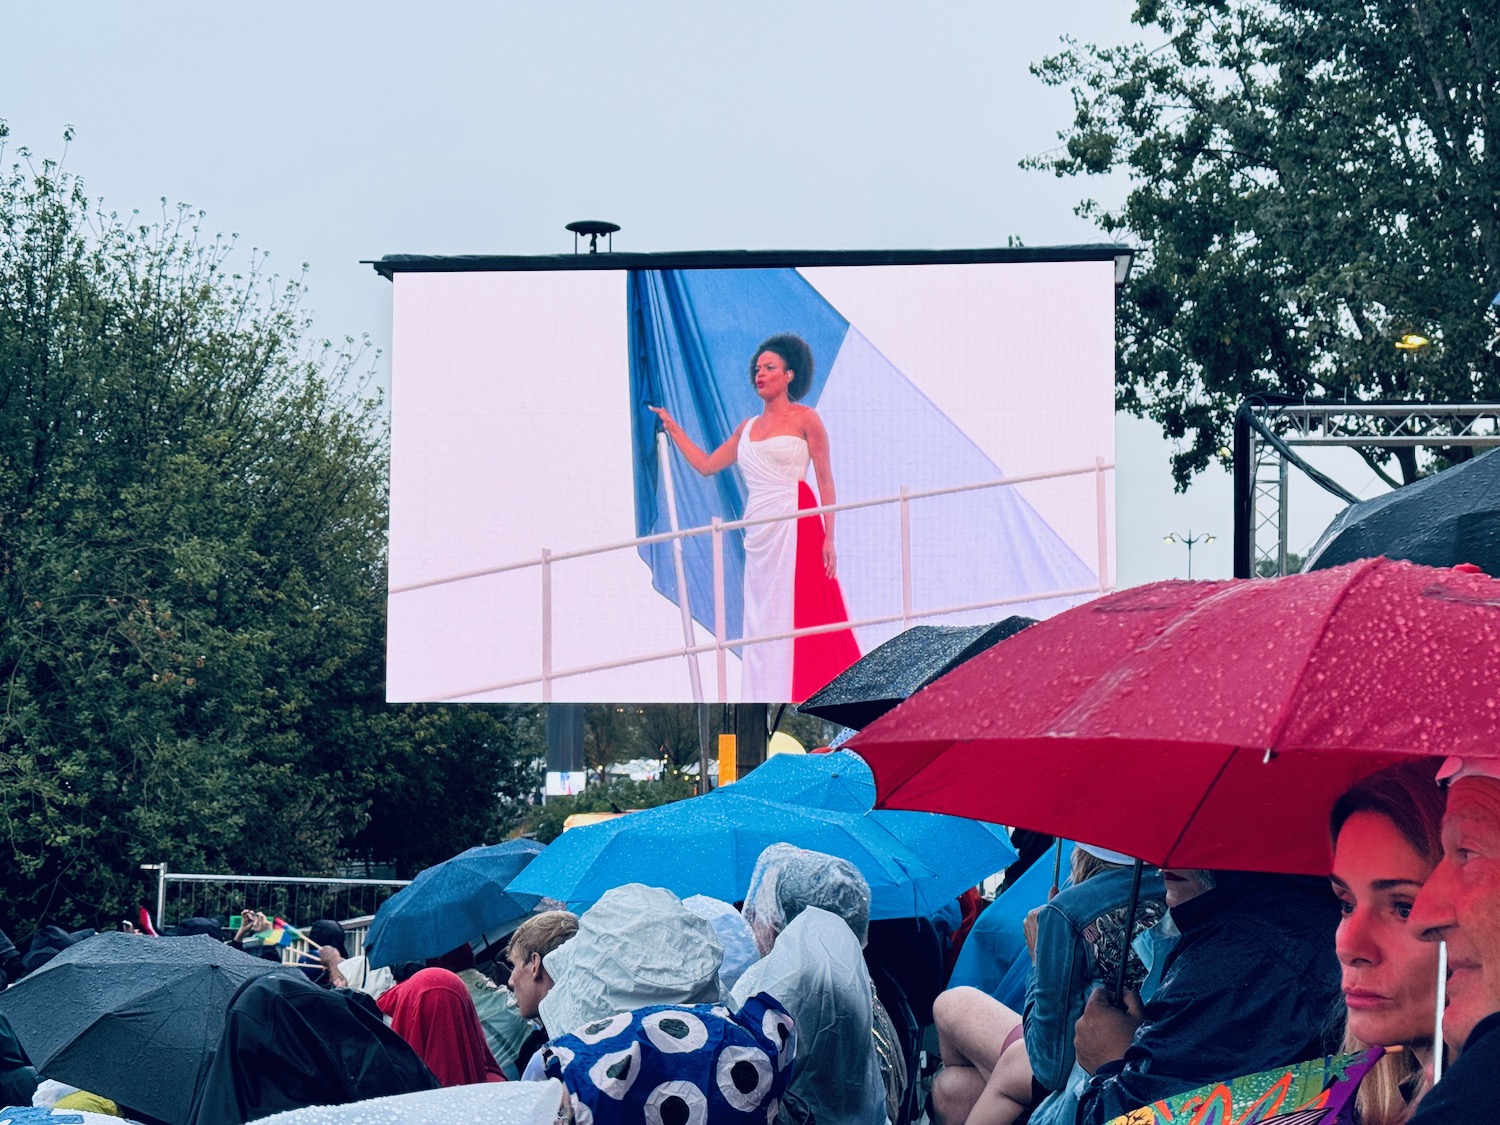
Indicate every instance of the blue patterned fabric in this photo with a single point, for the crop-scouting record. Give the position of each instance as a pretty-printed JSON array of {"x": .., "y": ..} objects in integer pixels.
[{"x": 678, "y": 1065}]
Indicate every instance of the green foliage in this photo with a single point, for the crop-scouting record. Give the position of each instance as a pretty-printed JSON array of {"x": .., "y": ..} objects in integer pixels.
[
  {"x": 192, "y": 579},
  {"x": 616, "y": 796},
  {"x": 451, "y": 777},
  {"x": 1311, "y": 179},
  {"x": 1266, "y": 568}
]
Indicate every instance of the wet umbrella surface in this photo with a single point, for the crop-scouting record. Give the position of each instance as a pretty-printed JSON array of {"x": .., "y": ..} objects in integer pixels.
[
  {"x": 1205, "y": 724},
  {"x": 708, "y": 845},
  {"x": 131, "y": 1018},
  {"x": 1448, "y": 518},
  {"x": 452, "y": 902},
  {"x": 905, "y": 664}
]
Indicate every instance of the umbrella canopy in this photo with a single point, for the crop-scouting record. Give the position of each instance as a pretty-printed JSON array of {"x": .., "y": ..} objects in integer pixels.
[
  {"x": 708, "y": 846},
  {"x": 914, "y": 862},
  {"x": 905, "y": 664},
  {"x": 1205, "y": 724},
  {"x": 1448, "y": 518},
  {"x": 1304, "y": 1093},
  {"x": 452, "y": 902},
  {"x": 965, "y": 851},
  {"x": 134, "y": 1019},
  {"x": 834, "y": 782},
  {"x": 494, "y": 1103}
]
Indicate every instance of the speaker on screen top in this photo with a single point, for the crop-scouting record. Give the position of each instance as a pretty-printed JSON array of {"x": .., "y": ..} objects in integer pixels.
[{"x": 592, "y": 229}]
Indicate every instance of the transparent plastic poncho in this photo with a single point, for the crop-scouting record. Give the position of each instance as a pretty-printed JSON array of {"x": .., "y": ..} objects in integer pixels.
[{"x": 788, "y": 880}]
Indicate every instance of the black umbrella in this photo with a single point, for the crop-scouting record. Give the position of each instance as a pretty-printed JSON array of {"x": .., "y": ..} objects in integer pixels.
[
  {"x": 901, "y": 667},
  {"x": 130, "y": 1018},
  {"x": 1448, "y": 518}
]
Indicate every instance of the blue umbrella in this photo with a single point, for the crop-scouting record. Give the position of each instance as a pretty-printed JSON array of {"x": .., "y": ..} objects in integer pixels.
[
  {"x": 453, "y": 902},
  {"x": 708, "y": 845},
  {"x": 836, "y": 782},
  {"x": 962, "y": 851},
  {"x": 914, "y": 862}
]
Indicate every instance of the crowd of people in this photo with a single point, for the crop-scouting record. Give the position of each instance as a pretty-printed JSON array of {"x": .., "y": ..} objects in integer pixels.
[{"x": 793, "y": 1005}]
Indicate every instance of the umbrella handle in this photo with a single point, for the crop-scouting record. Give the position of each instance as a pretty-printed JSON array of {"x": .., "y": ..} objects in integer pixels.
[
  {"x": 1056, "y": 869},
  {"x": 1135, "y": 895},
  {"x": 1442, "y": 1002}
]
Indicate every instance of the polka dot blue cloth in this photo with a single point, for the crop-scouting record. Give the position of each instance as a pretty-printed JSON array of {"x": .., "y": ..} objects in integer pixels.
[{"x": 678, "y": 1065}]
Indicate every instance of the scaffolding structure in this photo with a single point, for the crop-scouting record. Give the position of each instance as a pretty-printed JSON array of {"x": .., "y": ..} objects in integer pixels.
[{"x": 1268, "y": 428}]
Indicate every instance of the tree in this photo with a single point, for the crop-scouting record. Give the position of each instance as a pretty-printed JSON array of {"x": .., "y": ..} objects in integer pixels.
[
  {"x": 1310, "y": 180},
  {"x": 448, "y": 778},
  {"x": 192, "y": 576}
]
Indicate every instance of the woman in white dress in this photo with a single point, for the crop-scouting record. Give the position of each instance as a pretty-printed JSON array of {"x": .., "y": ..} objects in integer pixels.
[{"x": 773, "y": 452}]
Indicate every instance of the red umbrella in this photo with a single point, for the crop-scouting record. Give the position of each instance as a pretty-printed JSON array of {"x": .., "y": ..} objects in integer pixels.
[{"x": 1205, "y": 724}]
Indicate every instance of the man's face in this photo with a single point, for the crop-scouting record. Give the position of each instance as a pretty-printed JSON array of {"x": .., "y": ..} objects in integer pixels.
[
  {"x": 1460, "y": 904},
  {"x": 529, "y": 983},
  {"x": 1186, "y": 883}
]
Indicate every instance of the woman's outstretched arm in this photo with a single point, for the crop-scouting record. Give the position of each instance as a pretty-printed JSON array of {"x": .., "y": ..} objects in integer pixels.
[
  {"x": 817, "y": 448},
  {"x": 707, "y": 464}
]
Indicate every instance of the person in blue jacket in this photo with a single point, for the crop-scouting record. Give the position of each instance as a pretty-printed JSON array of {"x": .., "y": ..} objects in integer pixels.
[{"x": 1080, "y": 940}]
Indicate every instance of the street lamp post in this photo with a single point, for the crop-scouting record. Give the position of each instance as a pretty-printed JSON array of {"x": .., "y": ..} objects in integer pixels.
[{"x": 1188, "y": 540}]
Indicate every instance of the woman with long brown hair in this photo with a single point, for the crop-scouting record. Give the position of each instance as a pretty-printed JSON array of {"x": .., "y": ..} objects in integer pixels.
[{"x": 1386, "y": 841}]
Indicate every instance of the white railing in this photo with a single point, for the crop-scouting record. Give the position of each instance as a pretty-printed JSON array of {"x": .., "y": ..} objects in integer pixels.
[
  {"x": 722, "y": 644},
  {"x": 348, "y": 901}
]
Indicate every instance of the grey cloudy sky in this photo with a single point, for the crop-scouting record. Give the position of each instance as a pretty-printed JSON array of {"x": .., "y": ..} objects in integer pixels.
[{"x": 332, "y": 132}]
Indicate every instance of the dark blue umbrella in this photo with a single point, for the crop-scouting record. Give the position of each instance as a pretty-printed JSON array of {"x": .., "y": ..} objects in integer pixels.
[
  {"x": 131, "y": 1018},
  {"x": 453, "y": 902},
  {"x": 1442, "y": 520},
  {"x": 903, "y": 666}
]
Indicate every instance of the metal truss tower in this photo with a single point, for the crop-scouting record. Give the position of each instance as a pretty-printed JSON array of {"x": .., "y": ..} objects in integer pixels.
[{"x": 1268, "y": 427}]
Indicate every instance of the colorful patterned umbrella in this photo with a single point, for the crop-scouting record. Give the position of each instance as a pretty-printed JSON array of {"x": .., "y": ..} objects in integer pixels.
[{"x": 1305, "y": 1093}]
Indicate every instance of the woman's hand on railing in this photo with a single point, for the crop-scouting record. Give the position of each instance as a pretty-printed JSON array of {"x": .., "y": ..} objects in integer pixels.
[{"x": 668, "y": 423}]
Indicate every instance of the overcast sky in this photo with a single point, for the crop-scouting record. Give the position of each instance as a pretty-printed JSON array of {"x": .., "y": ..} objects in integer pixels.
[{"x": 328, "y": 133}]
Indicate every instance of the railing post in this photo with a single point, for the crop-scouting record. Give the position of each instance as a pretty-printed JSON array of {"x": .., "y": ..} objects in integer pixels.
[
  {"x": 905, "y": 504},
  {"x": 161, "y": 897},
  {"x": 721, "y": 655},
  {"x": 546, "y": 625},
  {"x": 1101, "y": 503}
]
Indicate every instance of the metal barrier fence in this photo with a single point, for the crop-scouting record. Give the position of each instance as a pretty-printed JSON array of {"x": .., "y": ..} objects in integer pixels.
[{"x": 297, "y": 899}]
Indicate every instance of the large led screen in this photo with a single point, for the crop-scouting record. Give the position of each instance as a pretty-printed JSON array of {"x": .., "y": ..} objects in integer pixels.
[{"x": 600, "y": 476}]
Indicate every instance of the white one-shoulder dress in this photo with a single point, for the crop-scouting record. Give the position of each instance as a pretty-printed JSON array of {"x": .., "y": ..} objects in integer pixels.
[{"x": 773, "y": 468}]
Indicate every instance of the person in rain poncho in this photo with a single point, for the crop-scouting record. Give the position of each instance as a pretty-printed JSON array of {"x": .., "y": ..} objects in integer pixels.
[
  {"x": 672, "y": 1063},
  {"x": 432, "y": 1011},
  {"x": 734, "y": 933},
  {"x": 505, "y": 1029},
  {"x": 809, "y": 913},
  {"x": 637, "y": 946},
  {"x": 288, "y": 1043}
]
